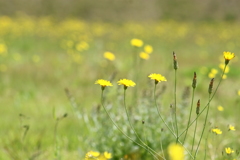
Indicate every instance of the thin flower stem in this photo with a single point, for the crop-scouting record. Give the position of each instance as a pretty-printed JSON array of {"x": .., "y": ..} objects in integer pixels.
[
  {"x": 175, "y": 104},
  {"x": 190, "y": 114},
  {"x": 204, "y": 126},
  {"x": 153, "y": 154},
  {"x": 131, "y": 126},
  {"x": 208, "y": 101},
  {"x": 194, "y": 135},
  {"x": 155, "y": 100}
]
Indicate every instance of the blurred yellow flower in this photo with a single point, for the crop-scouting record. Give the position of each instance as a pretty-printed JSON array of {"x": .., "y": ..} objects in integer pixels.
[
  {"x": 91, "y": 155},
  {"x": 176, "y": 151},
  {"x": 224, "y": 76},
  {"x": 107, "y": 155},
  {"x": 231, "y": 128},
  {"x": 144, "y": 55},
  {"x": 238, "y": 92},
  {"x": 109, "y": 55},
  {"x": 220, "y": 108},
  {"x": 3, "y": 49},
  {"x": 216, "y": 131},
  {"x": 103, "y": 83},
  {"x": 228, "y": 150},
  {"x": 213, "y": 73},
  {"x": 157, "y": 77},
  {"x": 126, "y": 83},
  {"x": 228, "y": 55},
  {"x": 148, "y": 49},
  {"x": 136, "y": 42}
]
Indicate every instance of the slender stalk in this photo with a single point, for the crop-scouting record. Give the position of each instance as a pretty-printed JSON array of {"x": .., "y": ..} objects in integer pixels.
[
  {"x": 207, "y": 103},
  {"x": 155, "y": 100},
  {"x": 204, "y": 126},
  {"x": 152, "y": 152},
  {"x": 190, "y": 114},
  {"x": 175, "y": 104},
  {"x": 194, "y": 135},
  {"x": 131, "y": 126}
]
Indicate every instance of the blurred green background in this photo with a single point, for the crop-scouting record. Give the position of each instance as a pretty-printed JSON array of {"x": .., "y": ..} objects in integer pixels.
[{"x": 51, "y": 54}]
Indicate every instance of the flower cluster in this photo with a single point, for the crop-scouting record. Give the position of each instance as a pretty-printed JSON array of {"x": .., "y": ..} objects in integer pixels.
[
  {"x": 92, "y": 155},
  {"x": 216, "y": 131}
]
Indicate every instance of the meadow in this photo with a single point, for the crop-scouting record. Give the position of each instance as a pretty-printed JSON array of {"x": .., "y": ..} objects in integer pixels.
[{"x": 51, "y": 107}]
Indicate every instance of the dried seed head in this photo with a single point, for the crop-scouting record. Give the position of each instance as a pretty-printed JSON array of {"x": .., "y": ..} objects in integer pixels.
[
  {"x": 175, "y": 63},
  {"x": 210, "y": 88},
  {"x": 194, "y": 82},
  {"x": 198, "y": 107}
]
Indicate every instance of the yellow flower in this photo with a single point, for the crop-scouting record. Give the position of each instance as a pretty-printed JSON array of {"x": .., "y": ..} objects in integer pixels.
[
  {"x": 228, "y": 150},
  {"x": 157, "y": 77},
  {"x": 224, "y": 76},
  {"x": 238, "y": 92},
  {"x": 126, "y": 83},
  {"x": 228, "y": 56},
  {"x": 103, "y": 83},
  {"x": 91, "y": 155},
  {"x": 176, "y": 152},
  {"x": 216, "y": 131},
  {"x": 148, "y": 49},
  {"x": 109, "y": 55},
  {"x": 231, "y": 128},
  {"x": 136, "y": 42},
  {"x": 107, "y": 155},
  {"x": 220, "y": 108},
  {"x": 144, "y": 55}
]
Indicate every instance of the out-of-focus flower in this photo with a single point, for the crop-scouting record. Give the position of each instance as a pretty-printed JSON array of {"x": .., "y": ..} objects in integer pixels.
[
  {"x": 3, "y": 49},
  {"x": 216, "y": 131},
  {"x": 91, "y": 155},
  {"x": 144, "y": 55},
  {"x": 220, "y": 108},
  {"x": 176, "y": 151},
  {"x": 148, "y": 49},
  {"x": 107, "y": 155},
  {"x": 109, "y": 55},
  {"x": 136, "y": 42},
  {"x": 231, "y": 128},
  {"x": 228, "y": 150},
  {"x": 221, "y": 66},
  {"x": 213, "y": 73}
]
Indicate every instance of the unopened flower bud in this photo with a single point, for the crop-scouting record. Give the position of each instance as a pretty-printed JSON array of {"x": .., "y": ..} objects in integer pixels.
[
  {"x": 175, "y": 63},
  {"x": 194, "y": 82},
  {"x": 210, "y": 86},
  {"x": 198, "y": 107}
]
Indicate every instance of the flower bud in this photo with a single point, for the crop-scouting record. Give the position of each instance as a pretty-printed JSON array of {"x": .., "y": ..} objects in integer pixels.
[
  {"x": 198, "y": 107},
  {"x": 210, "y": 86},
  {"x": 175, "y": 63},
  {"x": 194, "y": 82}
]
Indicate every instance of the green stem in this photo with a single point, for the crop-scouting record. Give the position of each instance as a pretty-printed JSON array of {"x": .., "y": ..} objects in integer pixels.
[
  {"x": 175, "y": 104},
  {"x": 131, "y": 126},
  {"x": 190, "y": 114},
  {"x": 155, "y": 100},
  {"x": 207, "y": 103},
  {"x": 204, "y": 126},
  {"x": 194, "y": 134},
  {"x": 153, "y": 154}
]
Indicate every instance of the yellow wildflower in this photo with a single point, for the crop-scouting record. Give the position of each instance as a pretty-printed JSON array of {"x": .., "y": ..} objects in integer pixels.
[
  {"x": 126, "y": 83},
  {"x": 3, "y": 49},
  {"x": 148, "y": 49},
  {"x": 144, "y": 55},
  {"x": 231, "y": 128},
  {"x": 220, "y": 108},
  {"x": 136, "y": 42},
  {"x": 103, "y": 83},
  {"x": 107, "y": 155},
  {"x": 176, "y": 152},
  {"x": 224, "y": 76},
  {"x": 228, "y": 150},
  {"x": 228, "y": 56},
  {"x": 109, "y": 55},
  {"x": 91, "y": 155},
  {"x": 216, "y": 131},
  {"x": 238, "y": 92},
  {"x": 157, "y": 77}
]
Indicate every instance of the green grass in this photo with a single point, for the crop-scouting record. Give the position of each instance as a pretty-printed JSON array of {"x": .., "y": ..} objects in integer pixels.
[{"x": 37, "y": 88}]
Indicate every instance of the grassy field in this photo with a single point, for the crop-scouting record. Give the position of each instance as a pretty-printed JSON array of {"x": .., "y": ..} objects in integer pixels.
[{"x": 48, "y": 69}]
